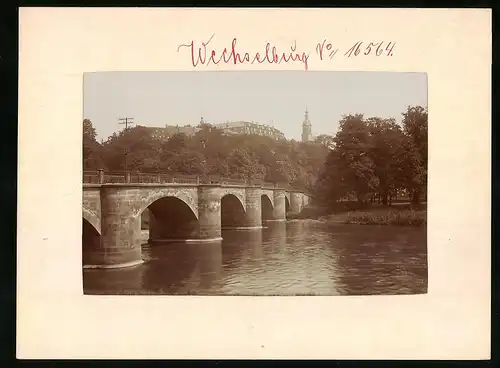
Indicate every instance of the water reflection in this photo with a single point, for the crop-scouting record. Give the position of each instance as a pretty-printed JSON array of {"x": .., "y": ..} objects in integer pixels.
[
  {"x": 283, "y": 258},
  {"x": 112, "y": 281},
  {"x": 182, "y": 268},
  {"x": 274, "y": 235},
  {"x": 378, "y": 261}
]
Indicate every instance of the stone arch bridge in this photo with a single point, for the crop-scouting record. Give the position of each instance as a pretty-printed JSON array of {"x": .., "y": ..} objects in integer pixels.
[{"x": 194, "y": 212}]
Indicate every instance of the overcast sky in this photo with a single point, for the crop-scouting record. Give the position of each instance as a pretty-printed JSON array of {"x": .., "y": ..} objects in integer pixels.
[{"x": 272, "y": 97}]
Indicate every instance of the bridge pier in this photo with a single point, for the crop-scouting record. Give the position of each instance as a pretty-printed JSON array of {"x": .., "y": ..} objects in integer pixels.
[
  {"x": 304, "y": 201},
  {"x": 209, "y": 213},
  {"x": 190, "y": 213},
  {"x": 279, "y": 210},
  {"x": 295, "y": 202},
  {"x": 253, "y": 216},
  {"x": 120, "y": 241},
  {"x": 157, "y": 230}
]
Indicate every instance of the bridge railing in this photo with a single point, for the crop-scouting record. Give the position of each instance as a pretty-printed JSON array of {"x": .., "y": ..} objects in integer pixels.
[
  {"x": 234, "y": 181},
  {"x": 91, "y": 177},
  {"x": 102, "y": 177}
]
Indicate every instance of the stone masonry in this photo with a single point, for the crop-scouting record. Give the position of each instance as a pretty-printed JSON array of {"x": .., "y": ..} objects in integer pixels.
[{"x": 187, "y": 212}]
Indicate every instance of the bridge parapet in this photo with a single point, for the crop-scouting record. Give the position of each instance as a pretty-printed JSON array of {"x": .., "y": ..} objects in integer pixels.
[
  {"x": 113, "y": 205},
  {"x": 102, "y": 177}
]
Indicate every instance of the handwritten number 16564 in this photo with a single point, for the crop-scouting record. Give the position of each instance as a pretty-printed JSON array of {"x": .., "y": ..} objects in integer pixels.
[{"x": 375, "y": 48}]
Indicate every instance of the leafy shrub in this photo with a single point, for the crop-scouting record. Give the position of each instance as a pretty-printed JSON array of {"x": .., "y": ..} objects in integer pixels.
[{"x": 400, "y": 218}]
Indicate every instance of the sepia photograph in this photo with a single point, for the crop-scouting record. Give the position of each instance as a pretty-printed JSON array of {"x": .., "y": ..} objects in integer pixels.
[
  {"x": 254, "y": 183},
  {"x": 278, "y": 180}
]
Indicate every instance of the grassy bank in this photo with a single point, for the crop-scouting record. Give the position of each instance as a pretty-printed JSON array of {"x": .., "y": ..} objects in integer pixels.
[
  {"x": 400, "y": 214},
  {"x": 387, "y": 217}
]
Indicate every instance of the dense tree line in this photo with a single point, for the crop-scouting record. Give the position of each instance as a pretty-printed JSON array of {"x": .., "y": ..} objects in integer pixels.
[
  {"x": 208, "y": 152},
  {"x": 368, "y": 159},
  {"x": 375, "y": 158}
]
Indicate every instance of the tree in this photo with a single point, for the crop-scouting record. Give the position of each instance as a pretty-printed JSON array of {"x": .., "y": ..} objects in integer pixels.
[
  {"x": 188, "y": 163},
  {"x": 136, "y": 147},
  {"x": 415, "y": 121},
  {"x": 209, "y": 151},
  {"x": 92, "y": 150},
  {"x": 244, "y": 164},
  {"x": 89, "y": 130},
  {"x": 375, "y": 155},
  {"x": 386, "y": 150},
  {"x": 351, "y": 156},
  {"x": 175, "y": 143},
  {"x": 414, "y": 174},
  {"x": 219, "y": 166},
  {"x": 415, "y": 125},
  {"x": 325, "y": 140}
]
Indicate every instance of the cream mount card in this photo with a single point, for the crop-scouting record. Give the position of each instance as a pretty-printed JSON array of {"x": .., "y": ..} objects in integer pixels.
[{"x": 62, "y": 49}]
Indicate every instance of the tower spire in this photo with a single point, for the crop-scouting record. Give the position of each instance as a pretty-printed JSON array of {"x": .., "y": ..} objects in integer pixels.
[{"x": 306, "y": 127}]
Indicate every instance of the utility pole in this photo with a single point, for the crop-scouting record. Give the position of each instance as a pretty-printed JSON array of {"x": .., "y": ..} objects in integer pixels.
[
  {"x": 126, "y": 154},
  {"x": 126, "y": 121}
]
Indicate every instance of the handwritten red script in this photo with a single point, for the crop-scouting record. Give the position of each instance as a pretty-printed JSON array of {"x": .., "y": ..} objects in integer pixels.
[
  {"x": 381, "y": 48},
  {"x": 205, "y": 55}
]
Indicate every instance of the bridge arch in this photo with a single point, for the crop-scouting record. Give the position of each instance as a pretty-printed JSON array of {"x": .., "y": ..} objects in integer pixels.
[
  {"x": 92, "y": 219},
  {"x": 239, "y": 193},
  {"x": 171, "y": 219},
  {"x": 91, "y": 242},
  {"x": 267, "y": 207},
  {"x": 269, "y": 195},
  {"x": 233, "y": 212},
  {"x": 188, "y": 197},
  {"x": 288, "y": 196}
]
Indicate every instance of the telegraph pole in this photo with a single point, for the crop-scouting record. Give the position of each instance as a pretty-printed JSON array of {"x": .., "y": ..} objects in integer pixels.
[
  {"x": 126, "y": 154},
  {"x": 126, "y": 121}
]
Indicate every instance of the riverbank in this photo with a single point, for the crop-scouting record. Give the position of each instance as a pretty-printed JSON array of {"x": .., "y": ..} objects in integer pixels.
[{"x": 399, "y": 214}]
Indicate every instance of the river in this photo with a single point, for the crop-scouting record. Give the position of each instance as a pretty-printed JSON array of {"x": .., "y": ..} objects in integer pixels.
[{"x": 292, "y": 258}]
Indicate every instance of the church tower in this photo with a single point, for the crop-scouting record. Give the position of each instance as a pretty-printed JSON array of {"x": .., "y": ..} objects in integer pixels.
[{"x": 306, "y": 128}]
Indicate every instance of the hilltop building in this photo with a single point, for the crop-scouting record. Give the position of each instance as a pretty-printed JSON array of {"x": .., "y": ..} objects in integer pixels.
[
  {"x": 228, "y": 128},
  {"x": 246, "y": 127},
  {"x": 170, "y": 130},
  {"x": 306, "y": 128}
]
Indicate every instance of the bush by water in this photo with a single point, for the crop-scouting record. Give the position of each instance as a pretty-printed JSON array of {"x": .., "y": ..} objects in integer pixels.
[{"x": 401, "y": 214}]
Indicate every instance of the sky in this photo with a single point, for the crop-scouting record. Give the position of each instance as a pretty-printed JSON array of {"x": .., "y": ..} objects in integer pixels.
[{"x": 276, "y": 98}]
